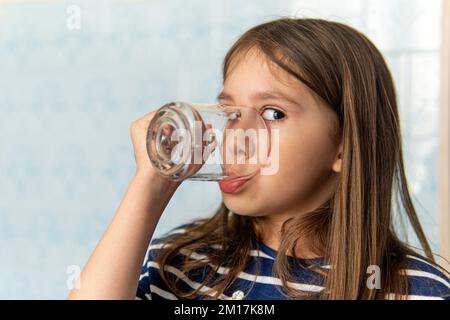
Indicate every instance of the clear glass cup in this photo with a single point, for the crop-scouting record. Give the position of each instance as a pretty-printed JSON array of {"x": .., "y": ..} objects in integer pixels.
[{"x": 207, "y": 142}]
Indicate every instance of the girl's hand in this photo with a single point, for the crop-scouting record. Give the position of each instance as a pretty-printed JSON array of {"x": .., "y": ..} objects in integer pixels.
[
  {"x": 138, "y": 133},
  {"x": 144, "y": 167}
]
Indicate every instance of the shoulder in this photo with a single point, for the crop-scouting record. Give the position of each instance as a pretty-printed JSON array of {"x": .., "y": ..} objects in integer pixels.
[
  {"x": 171, "y": 234},
  {"x": 163, "y": 241},
  {"x": 151, "y": 285},
  {"x": 426, "y": 280}
]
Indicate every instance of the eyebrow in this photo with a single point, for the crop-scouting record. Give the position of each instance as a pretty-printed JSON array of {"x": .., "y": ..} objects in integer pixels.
[{"x": 263, "y": 95}]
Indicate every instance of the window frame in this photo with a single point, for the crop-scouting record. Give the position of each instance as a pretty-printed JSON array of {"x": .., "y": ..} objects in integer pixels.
[{"x": 444, "y": 149}]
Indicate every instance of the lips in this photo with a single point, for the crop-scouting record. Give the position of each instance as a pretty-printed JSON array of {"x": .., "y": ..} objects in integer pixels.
[{"x": 233, "y": 185}]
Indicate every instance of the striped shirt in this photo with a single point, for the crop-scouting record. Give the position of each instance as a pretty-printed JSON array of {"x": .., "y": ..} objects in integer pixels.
[{"x": 257, "y": 281}]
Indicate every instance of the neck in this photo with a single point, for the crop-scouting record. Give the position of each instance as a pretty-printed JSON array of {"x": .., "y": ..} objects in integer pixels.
[
  {"x": 270, "y": 230},
  {"x": 269, "y": 227}
]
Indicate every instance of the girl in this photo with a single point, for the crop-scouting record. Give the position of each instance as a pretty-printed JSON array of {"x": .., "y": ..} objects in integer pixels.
[{"x": 322, "y": 226}]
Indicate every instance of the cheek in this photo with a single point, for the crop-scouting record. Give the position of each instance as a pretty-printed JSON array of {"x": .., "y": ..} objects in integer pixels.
[{"x": 305, "y": 157}]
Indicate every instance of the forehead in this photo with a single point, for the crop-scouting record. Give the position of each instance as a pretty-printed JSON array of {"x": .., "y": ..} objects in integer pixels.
[
  {"x": 252, "y": 74},
  {"x": 253, "y": 71}
]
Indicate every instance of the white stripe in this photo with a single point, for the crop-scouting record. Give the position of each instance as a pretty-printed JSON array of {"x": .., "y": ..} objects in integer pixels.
[
  {"x": 182, "y": 230},
  {"x": 156, "y": 246},
  {"x": 419, "y": 259},
  {"x": 424, "y": 274},
  {"x": 189, "y": 282},
  {"x": 440, "y": 269},
  {"x": 142, "y": 276},
  {"x": 194, "y": 255},
  {"x": 254, "y": 253},
  {"x": 162, "y": 293},
  {"x": 177, "y": 231},
  {"x": 278, "y": 282},
  {"x": 259, "y": 253},
  {"x": 391, "y": 296}
]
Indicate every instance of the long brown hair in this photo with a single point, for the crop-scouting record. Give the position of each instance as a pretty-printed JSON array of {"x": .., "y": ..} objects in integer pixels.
[{"x": 355, "y": 228}]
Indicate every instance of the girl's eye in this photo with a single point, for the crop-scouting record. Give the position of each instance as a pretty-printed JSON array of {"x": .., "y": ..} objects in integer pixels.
[{"x": 271, "y": 114}]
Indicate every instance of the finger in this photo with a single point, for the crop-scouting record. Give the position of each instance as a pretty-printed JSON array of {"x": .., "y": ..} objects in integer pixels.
[{"x": 148, "y": 116}]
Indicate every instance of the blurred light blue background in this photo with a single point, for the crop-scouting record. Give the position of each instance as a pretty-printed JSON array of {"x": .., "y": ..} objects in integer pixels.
[{"x": 68, "y": 96}]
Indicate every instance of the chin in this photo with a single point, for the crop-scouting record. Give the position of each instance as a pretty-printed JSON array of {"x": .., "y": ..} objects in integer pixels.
[{"x": 242, "y": 206}]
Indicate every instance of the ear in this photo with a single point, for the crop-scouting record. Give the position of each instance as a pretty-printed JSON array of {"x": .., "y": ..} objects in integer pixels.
[{"x": 337, "y": 164}]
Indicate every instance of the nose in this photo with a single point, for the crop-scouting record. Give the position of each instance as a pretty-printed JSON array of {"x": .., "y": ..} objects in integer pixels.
[{"x": 239, "y": 146}]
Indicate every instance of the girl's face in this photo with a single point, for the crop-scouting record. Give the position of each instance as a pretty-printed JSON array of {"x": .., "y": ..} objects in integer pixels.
[{"x": 309, "y": 154}]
